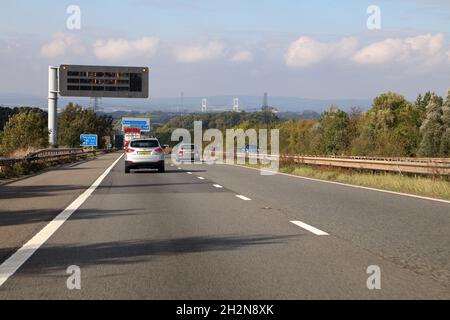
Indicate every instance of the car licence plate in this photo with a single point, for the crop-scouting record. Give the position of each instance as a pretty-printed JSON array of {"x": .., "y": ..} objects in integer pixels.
[{"x": 144, "y": 153}]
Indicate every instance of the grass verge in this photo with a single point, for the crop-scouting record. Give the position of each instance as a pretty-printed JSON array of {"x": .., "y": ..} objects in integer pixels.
[
  {"x": 18, "y": 170},
  {"x": 434, "y": 187},
  {"x": 21, "y": 169}
]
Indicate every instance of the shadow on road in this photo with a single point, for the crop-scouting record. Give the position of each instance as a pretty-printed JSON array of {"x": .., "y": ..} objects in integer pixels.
[
  {"x": 23, "y": 192},
  {"x": 20, "y": 217},
  {"x": 14, "y": 192},
  {"x": 49, "y": 259}
]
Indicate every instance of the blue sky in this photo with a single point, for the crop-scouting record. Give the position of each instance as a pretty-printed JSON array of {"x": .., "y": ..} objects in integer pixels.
[
  {"x": 182, "y": 18},
  {"x": 312, "y": 49}
]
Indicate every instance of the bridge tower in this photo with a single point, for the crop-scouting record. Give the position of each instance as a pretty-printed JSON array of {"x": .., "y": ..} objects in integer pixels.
[
  {"x": 204, "y": 105},
  {"x": 236, "y": 105}
]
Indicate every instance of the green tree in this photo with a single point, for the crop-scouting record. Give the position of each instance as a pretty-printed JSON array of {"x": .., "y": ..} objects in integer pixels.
[
  {"x": 407, "y": 128},
  {"x": 389, "y": 128},
  {"x": 296, "y": 136},
  {"x": 75, "y": 120},
  {"x": 445, "y": 120},
  {"x": 6, "y": 113},
  {"x": 333, "y": 130},
  {"x": 71, "y": 125},
  {"x": 423, "y": 101},
  {"x": 24, "y": 130},
  {"x": 432, "y": 129},
  {"x": 355, "y": 116}
]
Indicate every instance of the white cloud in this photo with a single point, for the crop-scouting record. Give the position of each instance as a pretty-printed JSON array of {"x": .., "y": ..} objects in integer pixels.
[
  {"x": 199, "y": 52},
  {"x": 62, "y": 44},
  {"x": 306, "y": 51},
  {"x": 120, "y": 49},
  {"x": 242, "y": 56},
  {"x": 424, "y": 51}
]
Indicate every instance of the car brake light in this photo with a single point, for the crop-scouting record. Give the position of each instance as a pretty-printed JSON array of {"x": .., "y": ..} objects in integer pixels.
[
  {"x": 181, "y": 152},
  {"x": 129, "y": 150},
  {"x": 158, "y": 150}
]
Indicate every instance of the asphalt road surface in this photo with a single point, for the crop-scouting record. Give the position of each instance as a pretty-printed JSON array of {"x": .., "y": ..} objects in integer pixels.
[{"x": 219, "y": 232}]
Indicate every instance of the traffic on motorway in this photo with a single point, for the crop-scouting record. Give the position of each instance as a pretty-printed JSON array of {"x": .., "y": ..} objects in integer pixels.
[{"x": 144, "y": 154}]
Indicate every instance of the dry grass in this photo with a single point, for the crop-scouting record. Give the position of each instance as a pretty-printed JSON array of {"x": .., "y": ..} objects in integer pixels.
[
  {"x": 420, "y": 185},
  {"x": 434, "y": 187},
  {"x": 25, "y": 168},
  {"x": 21, "y": 153}
]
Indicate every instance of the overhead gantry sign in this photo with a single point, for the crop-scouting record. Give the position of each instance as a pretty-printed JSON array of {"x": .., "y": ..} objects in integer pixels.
[
  {"x": 93, "y": 82},
  {"x": 103, "y": 82}
]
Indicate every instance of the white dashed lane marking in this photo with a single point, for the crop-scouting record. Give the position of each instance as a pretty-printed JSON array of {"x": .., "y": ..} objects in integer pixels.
[{"x": 310, "y": 228}]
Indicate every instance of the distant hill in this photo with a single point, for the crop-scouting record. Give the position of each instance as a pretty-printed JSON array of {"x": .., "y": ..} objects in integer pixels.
[{"x": 192, "y": 104}]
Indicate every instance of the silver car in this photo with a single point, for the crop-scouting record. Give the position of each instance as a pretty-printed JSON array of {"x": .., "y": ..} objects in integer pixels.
[
  {"x": 188, "y": 152},
  {"x": 144, "y": 154}
]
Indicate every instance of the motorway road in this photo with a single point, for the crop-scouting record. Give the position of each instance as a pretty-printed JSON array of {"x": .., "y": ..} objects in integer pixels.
[{"x": 186, "y": 234}]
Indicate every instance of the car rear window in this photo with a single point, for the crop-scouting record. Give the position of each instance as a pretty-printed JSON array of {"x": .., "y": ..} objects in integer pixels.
[{"x": 144, "y": 144}]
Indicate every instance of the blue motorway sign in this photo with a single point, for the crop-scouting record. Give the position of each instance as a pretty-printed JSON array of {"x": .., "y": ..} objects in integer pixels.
[
  {"x": 89, "y": 140},
  {"x": 141, "y": 123}
]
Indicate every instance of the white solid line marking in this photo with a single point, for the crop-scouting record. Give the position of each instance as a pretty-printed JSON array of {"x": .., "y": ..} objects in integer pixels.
[
  {"x": 348, "y": 185},
  {"x": 243, "y": 198},
  {"x": 189, "y": 172},
  {"x": 218, "y": 186},
  {"x": 201, "y": 178},
  {"x": 179, "y": 168},
  {"x": 310, "y": 228},
  {"x": 10, "y": 266}
]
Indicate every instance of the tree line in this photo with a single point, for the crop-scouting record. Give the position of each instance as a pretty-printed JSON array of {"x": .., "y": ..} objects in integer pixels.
[
  {"x": 221, "y": 121},
  {"x": 392, "y": 127},
  {"x": 26, "y": 128}
]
